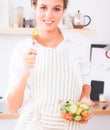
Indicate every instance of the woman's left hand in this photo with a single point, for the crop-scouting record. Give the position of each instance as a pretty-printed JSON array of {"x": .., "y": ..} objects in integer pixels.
[
  {"x": 90, "y": 103},
  {"x": 87, "y": 101}
]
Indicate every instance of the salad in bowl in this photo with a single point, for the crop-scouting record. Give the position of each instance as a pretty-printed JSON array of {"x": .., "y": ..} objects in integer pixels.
[{"x": 74, "y": 111}]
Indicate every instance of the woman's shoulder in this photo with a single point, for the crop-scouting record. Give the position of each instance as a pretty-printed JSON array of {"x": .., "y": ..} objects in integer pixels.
[
  {"x": 23, "y": 45},
  {"x": 75, "y": 42},
  {"x": 73, "y": 36}
]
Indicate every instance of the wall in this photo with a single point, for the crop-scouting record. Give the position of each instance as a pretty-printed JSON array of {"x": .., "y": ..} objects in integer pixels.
[
  {"x": 4, "y": 13},
  {"x": 98, "y": 10}
]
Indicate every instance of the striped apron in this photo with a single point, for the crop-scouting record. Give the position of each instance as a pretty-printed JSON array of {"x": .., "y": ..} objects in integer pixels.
[{"x": 54, "y": 78}]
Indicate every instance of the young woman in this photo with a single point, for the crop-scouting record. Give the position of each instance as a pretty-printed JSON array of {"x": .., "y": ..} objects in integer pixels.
[{"x": 52, "y": 67}]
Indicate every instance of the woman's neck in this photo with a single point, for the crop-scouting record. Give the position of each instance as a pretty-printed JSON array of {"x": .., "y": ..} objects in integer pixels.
[{"x": 50, "y": 38}]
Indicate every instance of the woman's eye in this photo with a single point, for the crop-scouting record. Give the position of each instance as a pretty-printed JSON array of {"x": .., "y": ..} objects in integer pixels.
[
  {"x": 42, "y": 8},
  {"x": 57, "y": 9}
]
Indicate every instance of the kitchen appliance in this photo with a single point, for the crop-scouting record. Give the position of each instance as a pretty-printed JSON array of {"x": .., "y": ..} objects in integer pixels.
[{"x": 80, "y": 21}]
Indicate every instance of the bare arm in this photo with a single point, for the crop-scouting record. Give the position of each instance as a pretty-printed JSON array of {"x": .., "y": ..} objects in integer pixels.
[
  {"x": 15, "y": 98},
  {"x": 85, "y": 96}
]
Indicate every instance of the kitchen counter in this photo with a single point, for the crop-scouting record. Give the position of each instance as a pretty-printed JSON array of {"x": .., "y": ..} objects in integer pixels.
[
  {"x": 9, "y": 116},
  {"x": 97, "y": 110}
]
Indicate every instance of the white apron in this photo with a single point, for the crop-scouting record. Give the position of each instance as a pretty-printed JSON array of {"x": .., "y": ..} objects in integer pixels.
[{"x": 54, "y": 78}]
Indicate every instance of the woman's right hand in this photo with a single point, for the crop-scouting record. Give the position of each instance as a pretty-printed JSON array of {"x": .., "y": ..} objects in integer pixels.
[{"x": 29, "y": 59}]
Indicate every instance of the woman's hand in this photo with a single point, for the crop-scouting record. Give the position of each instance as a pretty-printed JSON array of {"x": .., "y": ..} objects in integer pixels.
[
  {"x": 85, "y": 98},
  {"x": 87, "y": 118},
  {"x": 29, "y": 59},
  {"x": 90, "y": 103},
  {"x": 87, "y": 101}
]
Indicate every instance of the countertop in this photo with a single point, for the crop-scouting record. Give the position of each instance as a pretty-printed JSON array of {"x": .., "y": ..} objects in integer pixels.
[
  {"x": 97, "y": 110},
  {"x": 101, "y": 108},
  {"x": 9, "y": 116}
]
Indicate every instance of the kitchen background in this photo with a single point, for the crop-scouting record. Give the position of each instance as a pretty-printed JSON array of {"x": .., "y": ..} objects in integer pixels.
[
  {"x": 98, "y": 10},
  {"x": 100, "y": 22}
]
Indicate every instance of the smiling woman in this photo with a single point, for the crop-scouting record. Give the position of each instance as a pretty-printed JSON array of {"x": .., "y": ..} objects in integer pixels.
[
  {"x": 49, "y": 15},
  {"x": 46, "y": 69}
]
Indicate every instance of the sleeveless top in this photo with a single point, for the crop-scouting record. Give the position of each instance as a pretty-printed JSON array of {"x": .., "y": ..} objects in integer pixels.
[{"x": 54, "y": 78}]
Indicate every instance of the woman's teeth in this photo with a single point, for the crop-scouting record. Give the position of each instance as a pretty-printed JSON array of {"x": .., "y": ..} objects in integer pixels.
[{"x": 49, "y": 22}]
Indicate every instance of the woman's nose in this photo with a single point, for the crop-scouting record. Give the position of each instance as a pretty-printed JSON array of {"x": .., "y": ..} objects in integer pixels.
[{"x": 49, "y": 13}]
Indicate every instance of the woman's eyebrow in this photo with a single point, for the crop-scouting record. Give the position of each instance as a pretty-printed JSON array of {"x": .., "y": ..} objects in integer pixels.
[
  {"x": 54, "y": 6},
  {"x": 43, "y": 5},
  {"x": 58, "y": 6}
]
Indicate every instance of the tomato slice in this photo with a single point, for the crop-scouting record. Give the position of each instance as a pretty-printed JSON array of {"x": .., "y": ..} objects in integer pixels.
[
  {"x": 63, "y": 114},
  {"x": 69, "y": 116}
]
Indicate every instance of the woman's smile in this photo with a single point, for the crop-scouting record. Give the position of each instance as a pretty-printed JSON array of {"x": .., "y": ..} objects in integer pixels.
[{"x": 48, "y": 21}]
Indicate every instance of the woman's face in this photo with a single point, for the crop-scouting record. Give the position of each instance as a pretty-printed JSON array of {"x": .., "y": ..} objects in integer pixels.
[{"x": 49, "y": 13}]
